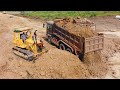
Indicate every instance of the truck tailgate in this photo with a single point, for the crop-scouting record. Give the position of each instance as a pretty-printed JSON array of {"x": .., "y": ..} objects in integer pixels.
[{"x": 93, "y": 43}]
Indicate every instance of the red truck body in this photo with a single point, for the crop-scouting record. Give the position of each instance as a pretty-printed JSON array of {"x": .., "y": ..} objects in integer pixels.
[{"x": 72, "y": 43}]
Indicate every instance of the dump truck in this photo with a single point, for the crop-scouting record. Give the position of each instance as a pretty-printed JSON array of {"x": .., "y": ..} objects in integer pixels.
[
  {"x": 75, "y": 44},
  {"x": 26, "y": 44}
]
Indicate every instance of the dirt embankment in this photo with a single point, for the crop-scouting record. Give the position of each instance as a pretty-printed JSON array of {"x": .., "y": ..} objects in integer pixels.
[
  {"x": 110, "y": 27},
  {"x": 51, "y": 66}
]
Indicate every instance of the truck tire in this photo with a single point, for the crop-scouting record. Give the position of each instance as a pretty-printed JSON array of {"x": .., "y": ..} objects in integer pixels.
[
  {"x": 69, "y": 50},
  {"x": 62, "y": 46}
]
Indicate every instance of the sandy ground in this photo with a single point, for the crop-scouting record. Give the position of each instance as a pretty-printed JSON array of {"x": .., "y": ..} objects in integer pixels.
[
  {"x": 51, "y": 65},
  {"x": 58, "y": 64},
  {"x": 110, "y": 27}
]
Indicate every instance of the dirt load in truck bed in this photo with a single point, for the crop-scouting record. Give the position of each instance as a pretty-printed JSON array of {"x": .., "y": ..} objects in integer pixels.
[{"x": 77, "y": 27}]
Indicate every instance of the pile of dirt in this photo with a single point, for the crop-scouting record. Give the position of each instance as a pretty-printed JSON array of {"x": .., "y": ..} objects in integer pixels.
[
  {"x": 95, "y": 64},
  {"x": 110, "y": 47},
  {"x": 110, "y": 55},
  {"x": 51, "y": 66}
]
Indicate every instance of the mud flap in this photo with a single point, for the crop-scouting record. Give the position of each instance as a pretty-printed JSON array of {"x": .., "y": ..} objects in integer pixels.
[{"x": 81, "y": 56}]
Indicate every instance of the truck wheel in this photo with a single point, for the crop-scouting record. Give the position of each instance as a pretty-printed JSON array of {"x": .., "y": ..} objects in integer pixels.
[
  {"x": 69, "y": 50},
  {"x": 62, "y": 46}
]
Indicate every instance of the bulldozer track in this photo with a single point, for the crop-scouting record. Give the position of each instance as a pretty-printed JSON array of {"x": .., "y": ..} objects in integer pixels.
[{"x": 26, "y": 54}]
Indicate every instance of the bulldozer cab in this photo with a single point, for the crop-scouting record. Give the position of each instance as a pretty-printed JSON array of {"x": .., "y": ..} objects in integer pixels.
[
  {"x": 21, "y": 35},
  {"x": 23, "y": 31},
  {"x": 27, "y": 36}
]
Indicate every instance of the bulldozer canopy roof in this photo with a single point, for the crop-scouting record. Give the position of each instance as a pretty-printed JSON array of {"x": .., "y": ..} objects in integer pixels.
[{"x": 22, "y": 29}]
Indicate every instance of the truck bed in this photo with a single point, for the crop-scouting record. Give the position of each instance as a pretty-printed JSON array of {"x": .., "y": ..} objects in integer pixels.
[{"x": 81, "y": 44}]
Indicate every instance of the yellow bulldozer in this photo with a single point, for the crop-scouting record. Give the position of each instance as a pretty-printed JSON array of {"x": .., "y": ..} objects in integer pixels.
[{"x": 26, "y": 44}]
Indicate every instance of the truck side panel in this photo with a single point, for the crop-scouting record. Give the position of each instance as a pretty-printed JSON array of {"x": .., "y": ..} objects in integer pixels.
[
  {"x": 78, "y": 44},
  {"x": 72, "y": 40}
]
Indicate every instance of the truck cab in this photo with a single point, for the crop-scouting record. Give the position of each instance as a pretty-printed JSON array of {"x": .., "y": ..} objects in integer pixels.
[{"x": 49, "y": 28}]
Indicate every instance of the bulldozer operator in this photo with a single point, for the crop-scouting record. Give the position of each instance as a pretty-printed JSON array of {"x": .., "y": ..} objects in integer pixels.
[
  {"x": 35, "y": 37},
  {"x": 23, "y": 37}
]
